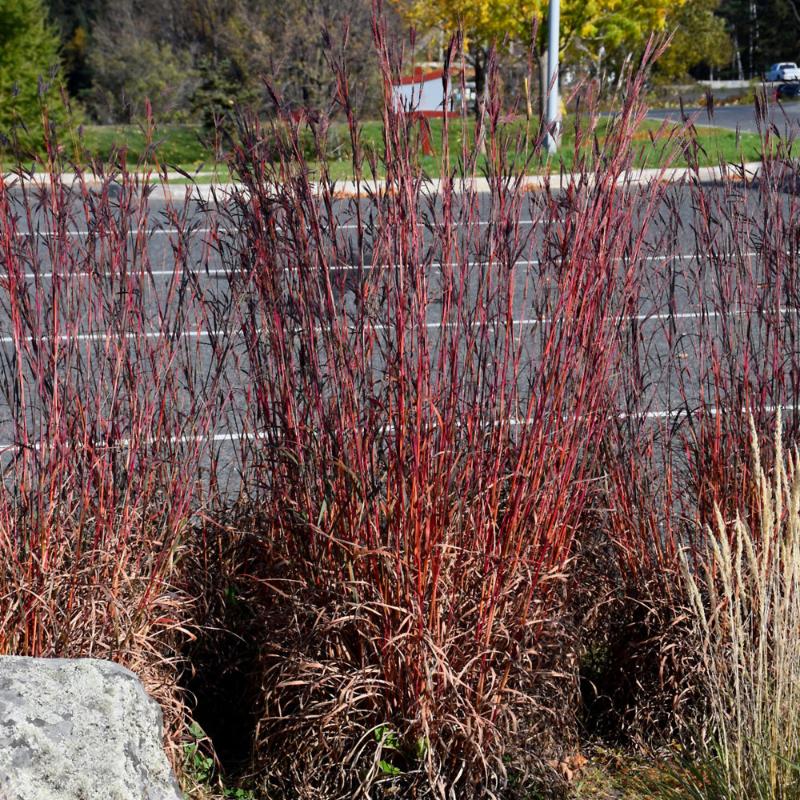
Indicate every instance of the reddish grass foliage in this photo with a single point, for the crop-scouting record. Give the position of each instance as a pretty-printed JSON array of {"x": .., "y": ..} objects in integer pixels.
[
  {"x": 424, "y": 409},
  {"x": 104, "y": 421}
]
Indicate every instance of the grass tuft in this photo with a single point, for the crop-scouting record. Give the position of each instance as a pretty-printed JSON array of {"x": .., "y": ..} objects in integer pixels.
[{"x": 746, "y": 609}]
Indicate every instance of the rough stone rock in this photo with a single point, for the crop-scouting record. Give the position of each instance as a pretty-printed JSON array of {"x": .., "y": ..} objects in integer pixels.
[{"x": 79, "y": 729}]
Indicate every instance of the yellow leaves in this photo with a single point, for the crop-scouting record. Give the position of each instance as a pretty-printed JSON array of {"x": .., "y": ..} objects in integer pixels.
[
  {"x": 485, "y": 20},
  {"x": 609, "y": 21}
]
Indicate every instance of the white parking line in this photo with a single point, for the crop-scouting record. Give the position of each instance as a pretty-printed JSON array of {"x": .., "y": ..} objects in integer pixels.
[
  {"x": 456, "y": 224},
  {"x": 708, "y": 313},
  {"x": 683, "y": 413},
  {"x": 121, "y": 443},
  {"x": 366, "y": 225},
  {"x": 218, "y": 272},
  {"x": 660, "y": 414},
  {"x": 661, "y": 316},
  {"x": 127, "y": 336},
  {"x": 156, "y": 273},
  {"x": 106, "y": 233}
]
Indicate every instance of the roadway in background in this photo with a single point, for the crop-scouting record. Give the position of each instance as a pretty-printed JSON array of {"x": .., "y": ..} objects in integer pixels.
[{"x": 785, "y": 116}]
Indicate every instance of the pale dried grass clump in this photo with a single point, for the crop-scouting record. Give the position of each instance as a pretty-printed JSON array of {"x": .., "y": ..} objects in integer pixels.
[{"x": 746, "y": 605}]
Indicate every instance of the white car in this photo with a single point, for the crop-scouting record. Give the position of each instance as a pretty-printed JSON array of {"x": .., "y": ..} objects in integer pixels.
[{"x": 785, "y": 71}]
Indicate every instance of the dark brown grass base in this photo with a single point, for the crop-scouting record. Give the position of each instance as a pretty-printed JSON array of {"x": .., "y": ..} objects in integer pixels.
[{"x": 311, "y": 666}]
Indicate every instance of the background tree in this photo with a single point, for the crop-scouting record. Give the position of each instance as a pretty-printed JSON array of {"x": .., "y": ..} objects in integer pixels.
[
  {"x": 303, "y": 31},
  {"x": 199, "y": 57},
  {"x": 128, "y": 70},
  {"x": 620, "y": 29},
  {"x": 30, "y": 72},
  {"x": 700, "y": 38},
  {"x": 135, "y": 55},
  {"x": 764, "y": 31},
  {"x": 483, "y": 22}
]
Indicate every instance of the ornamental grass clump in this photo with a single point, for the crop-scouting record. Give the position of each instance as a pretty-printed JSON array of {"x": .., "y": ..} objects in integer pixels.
[
  {"x": 423, "y": 399},
  {"x": 412, "y": 460},
  {"x": 746, "y": 606},
  {"x": 106, "y": 415},
  {"x": 714, "y": 337}
]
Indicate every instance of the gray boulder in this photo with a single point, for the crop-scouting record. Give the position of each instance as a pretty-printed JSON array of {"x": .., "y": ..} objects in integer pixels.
[{"x": 79, "y": 730}]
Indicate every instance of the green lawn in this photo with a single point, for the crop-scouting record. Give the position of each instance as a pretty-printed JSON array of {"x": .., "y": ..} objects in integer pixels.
[
  {"x": 182, "y": 145},
  {"x": 653, "y": 143},
  {"x": 187, "y": 146}
]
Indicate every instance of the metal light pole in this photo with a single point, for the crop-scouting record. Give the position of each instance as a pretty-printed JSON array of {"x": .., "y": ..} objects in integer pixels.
[{"x": 553, "y": 97}]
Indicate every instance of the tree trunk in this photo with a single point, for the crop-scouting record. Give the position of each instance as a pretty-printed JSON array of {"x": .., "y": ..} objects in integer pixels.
[
  {"x": 479, "y": 65},
  {"x": 752, "y": 44},
  {"x": 737, "y": 58}
]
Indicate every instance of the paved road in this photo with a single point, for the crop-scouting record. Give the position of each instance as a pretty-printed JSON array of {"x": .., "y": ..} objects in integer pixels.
[
  {"x": 179, "y": 283},
  {"x": 785, "y": 116}
]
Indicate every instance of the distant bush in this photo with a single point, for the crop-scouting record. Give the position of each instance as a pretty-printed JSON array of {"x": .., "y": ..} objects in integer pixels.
[{"x": 130, "y": 71}]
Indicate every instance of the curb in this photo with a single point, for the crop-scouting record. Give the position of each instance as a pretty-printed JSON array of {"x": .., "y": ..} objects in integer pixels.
[{"x": 351, "y": 190}]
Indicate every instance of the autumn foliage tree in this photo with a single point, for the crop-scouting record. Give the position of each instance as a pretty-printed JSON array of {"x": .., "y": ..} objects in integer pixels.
[
  {"x": 586, "y": 25},
  {"x": 197, "y": 59}
]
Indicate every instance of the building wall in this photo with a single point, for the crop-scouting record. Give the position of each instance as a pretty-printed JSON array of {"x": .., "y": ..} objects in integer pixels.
[{"x": 425, "y": 96}]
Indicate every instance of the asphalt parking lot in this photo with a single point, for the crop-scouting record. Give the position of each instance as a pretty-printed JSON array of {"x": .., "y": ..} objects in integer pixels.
[{"x": 684, "y": 269}]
